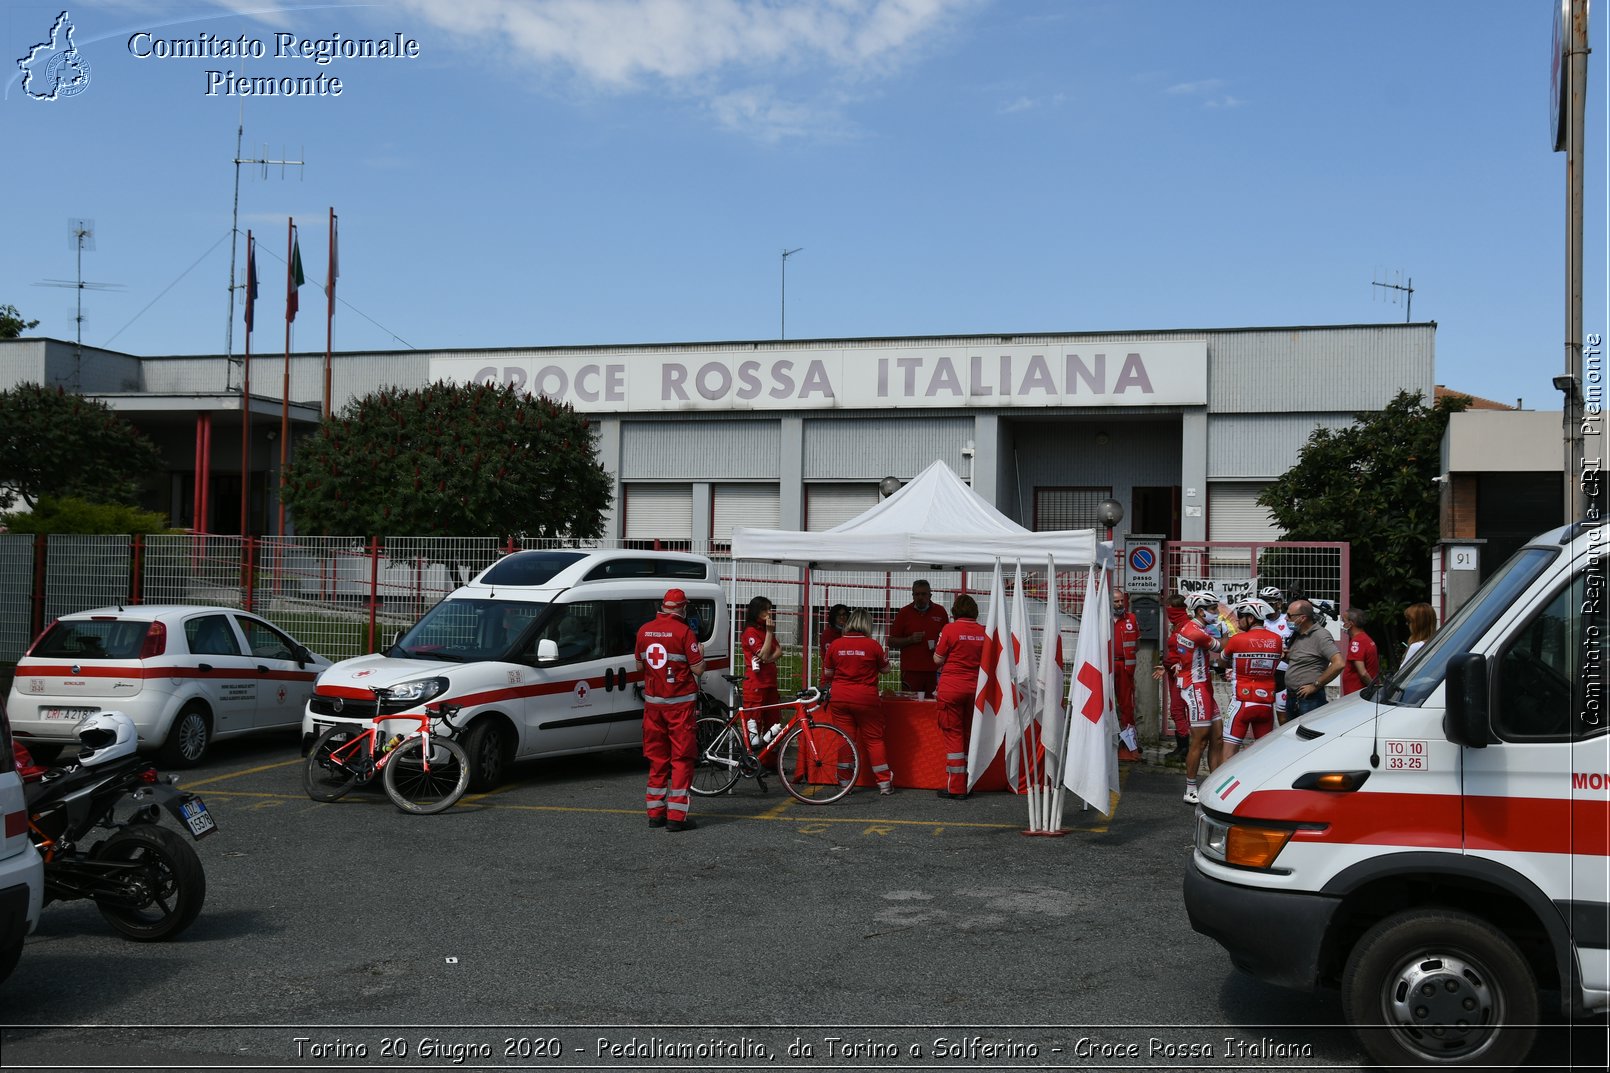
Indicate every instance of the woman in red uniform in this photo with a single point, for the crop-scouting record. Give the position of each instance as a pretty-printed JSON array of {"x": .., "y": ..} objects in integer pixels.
[
  {"x": 760, "y": 649},
  {"x": 960, "y": 649},
  {"x": 853, "y": 664}
]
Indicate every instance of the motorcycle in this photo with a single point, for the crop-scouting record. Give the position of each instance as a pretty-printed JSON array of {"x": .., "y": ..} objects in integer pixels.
[{"x": 147, "y": 881}]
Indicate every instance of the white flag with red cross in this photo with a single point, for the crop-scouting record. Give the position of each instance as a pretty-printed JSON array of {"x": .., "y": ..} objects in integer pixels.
[
  {"x": 1023, "y": 676},
  {"x": 1091, "y": 762},
  {"x": 995, "y": 698},
  {"x": 1048, "y": 704}
]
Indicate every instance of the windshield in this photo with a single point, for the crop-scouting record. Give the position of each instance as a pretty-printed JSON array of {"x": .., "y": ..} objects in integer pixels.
[
  {"x": 1416, "y": 679},
  {"x": 468, "y": 631}
]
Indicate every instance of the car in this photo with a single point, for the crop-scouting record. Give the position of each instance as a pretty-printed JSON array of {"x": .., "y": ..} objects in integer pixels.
[
  {"x": 22, "y": 873},
  {"x": 536, "y": 653},
  {"x": 187, "y": 675}
]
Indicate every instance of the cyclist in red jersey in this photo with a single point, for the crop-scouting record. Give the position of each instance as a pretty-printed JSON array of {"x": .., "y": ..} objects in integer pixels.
[
  {"x": 671, "y": 659},
  {"x": 958, "y": 654},
  {"x": 1254, "y": 656},
  {"x": 1194, "y": 645},
  {"x": 853, "y": 664}
]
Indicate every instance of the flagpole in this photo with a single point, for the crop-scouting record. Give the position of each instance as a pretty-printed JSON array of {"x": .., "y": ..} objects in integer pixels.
[
  {"x": 246, "y": 401},
  {"x": 285, "y": 393},
  {"x": 329, "y": 314}
]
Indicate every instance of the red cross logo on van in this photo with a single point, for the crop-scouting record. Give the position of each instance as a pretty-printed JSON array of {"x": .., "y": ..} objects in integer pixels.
[{"x": 656, "y": 656}]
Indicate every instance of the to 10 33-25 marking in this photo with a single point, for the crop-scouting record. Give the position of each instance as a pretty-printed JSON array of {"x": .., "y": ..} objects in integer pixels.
[{"x": 1408, "y": 755}]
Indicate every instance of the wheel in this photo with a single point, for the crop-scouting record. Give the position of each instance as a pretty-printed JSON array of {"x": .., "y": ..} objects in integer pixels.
[
  {"x": 488, "y": 749},
  {"x": 325, "y": 779},
  {"x": 188, "y": 739},
  {"x": 161, "y": 895},
  {"x": 1440, "y": 987},
  {"x": 809, "y": 763},
  {"x": 715, "y": 766},
  {"x": 414, "y": 789}
]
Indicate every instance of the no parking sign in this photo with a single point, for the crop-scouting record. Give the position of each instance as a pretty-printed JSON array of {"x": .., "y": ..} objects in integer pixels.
[{"x": 1142, "y": 572}]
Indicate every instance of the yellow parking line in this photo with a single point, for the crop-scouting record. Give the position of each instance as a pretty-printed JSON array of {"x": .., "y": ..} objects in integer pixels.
[{"x": 237, "y": 774}]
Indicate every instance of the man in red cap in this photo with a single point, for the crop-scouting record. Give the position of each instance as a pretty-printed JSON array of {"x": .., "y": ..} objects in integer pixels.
[{"x": 671, "y": 659}]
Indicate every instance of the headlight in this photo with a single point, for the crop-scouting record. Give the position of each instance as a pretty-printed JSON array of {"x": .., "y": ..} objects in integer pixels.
[
  {"x": 1241, "y": 845},
  {"x": 411, "y": 694}
]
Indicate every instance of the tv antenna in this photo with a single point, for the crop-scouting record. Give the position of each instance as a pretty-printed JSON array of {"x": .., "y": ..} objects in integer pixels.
[
  {"x": 264, "y": 162},
  {"x": 1405, "y": 287},
  {"x": 80, "y": 237}
]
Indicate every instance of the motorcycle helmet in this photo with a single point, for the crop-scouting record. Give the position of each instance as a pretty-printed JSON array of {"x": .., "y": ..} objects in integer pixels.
[
  {"x": 1254, "y": 607},
  {"x": 104, "y": 737},
  {"x": 1202, "y": 601},
  {"x": 1272, "y": 595}
]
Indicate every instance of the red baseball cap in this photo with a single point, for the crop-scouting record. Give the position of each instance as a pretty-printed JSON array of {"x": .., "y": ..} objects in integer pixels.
[{"x": 674, "y": 598}]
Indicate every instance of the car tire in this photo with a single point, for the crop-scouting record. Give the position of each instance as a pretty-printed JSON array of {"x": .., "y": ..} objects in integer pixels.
[
  {"x": 487, "y": 744},
  {"x": 1481, "y": 1001},
  {"x": 188, "y": 739}
]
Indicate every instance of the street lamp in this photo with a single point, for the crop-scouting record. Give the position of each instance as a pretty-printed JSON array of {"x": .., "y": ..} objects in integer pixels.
[
  {"x": 888, "y": 486},
  {"x": 1110, "y": 513},
  {"x": 782, "y": 328}
]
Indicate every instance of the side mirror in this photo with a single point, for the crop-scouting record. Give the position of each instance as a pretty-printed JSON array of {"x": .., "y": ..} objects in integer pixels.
[
  {"x": 302, "y": 656},
  {"x": 547, "y": 650},
  {"x": 1467, "y": 719}
]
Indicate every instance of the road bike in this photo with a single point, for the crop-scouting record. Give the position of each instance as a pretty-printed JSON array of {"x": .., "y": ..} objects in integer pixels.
[
  {"x": 818, "y": 762},
  {"x": 424, "y": 771}
]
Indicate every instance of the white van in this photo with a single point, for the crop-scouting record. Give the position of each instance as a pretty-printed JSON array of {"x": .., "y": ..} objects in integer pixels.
[
  {"x": 1441, "y": 851},
  {"x": 536, "y": 652}
]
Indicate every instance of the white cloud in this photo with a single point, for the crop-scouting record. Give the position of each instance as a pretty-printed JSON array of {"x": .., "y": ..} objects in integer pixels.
[{"x": 1207, "y": 85}]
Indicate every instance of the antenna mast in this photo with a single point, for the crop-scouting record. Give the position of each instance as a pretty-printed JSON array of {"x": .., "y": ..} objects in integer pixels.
[
  {"x": 80, "y": 237},
  {"x": 1406, "y": 288},
  {"x": 234, "y": 232}
]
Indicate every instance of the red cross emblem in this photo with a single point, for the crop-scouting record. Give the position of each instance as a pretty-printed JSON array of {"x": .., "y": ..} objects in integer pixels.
[
  {"x": 656, "y": 656},
  {"x": 282, "y": 694},
  {"x": 1090, "y": 675}
]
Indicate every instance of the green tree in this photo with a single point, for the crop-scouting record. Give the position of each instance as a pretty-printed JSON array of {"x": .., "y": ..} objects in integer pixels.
[
  {"x": 1373, "y": 484},
  {"x": 72, "y": 515},
  {"x": 450, "y": 460},
  {"x": 12, "y": 324},
  {"x": 56, "y": 443}
]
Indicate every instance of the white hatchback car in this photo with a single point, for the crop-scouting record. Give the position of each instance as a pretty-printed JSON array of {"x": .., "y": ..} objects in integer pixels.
[{"x": 187, "y": 675}]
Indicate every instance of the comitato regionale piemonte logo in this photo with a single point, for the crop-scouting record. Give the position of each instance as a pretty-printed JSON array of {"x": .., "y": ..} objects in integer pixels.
[{"x": 53, "y": 69}]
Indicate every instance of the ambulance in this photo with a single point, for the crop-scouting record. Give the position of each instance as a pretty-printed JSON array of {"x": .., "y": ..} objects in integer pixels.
[
  {"x": 1439, "y": 851},
  {"x": 536, "y": 652}
]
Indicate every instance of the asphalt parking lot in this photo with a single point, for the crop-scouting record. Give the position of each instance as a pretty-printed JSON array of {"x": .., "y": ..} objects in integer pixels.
[{"x": 546, "y": 926}]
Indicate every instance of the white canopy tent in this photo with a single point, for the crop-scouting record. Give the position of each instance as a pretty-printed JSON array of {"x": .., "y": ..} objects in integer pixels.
[{"x": 936, "y": 522}]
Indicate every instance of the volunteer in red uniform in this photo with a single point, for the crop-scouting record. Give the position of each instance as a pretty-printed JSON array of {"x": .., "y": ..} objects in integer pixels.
[
  {"x": 915, "y": 632},
  {"x": 1363, "y": 664},
  {"x": 1253, "y": 655},
  {"x": 760, "y": 649},
  {"x": 958, "y": 652},
  {"x": 851, "y": 670},
  {"x": 1195, "y": 645},
  {"x": 1125, "y": 641},
  {"x": 837, "y": 617},
  {"x": 671, "y": 660}
]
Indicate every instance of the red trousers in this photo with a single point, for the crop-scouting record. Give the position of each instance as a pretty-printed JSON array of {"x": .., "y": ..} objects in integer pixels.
[
  {"x": 670, "y": 743},
  {"x": 955, "y": 726},
  {"x": 865, "y": 722},
  {"x": 1124, "y": 694},
  {"x": 1176, "y": 707}
]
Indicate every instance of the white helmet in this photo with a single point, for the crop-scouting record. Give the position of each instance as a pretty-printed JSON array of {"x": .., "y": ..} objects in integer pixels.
[
  {"x": 106, "y": 736},
  {"x": 1272, "y": 594},
  {"x": 1254, "y": 607},
  {"x": 1200, "y": 601}
]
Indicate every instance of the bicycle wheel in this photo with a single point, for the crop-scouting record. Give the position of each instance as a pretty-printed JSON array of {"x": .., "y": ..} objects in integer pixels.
[
  {"x": 808, "y": 763},
  {"x": 415, "y": 789},
  {"x": 325, "y": 778},
  {"x": 715, "y": 766}
]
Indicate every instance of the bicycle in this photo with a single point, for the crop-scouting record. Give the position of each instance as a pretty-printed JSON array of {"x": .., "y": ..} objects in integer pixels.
[
  {"x": 423, "y": 772},
  {"x": 818, "y": 762}
]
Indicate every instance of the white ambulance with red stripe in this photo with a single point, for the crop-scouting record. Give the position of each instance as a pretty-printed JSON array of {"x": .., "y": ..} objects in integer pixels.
[
  {"x": 1440, "y": 851},
  {"x": 537, "y": 653}
]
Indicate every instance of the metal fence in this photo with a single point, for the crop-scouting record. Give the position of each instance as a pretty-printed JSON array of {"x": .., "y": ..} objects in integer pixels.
[{"x": 1317, "y": 571}]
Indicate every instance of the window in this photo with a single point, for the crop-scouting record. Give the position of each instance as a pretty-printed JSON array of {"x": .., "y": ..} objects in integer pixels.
[
  {"x": 96, "y": 639},
  {"x": 465, "y": 631},
  {"x": 530, "y": 567},
  {"x": 1540, "y": 667},
  {"x": 576, "y": 629},
  {"x": 692, "y": 569},
  {"x": 264, "y": 641},
  {"x": 632, "y": 614},
  {"x": 1068, "y": 508},
  {"x": 210, "y": 635}
]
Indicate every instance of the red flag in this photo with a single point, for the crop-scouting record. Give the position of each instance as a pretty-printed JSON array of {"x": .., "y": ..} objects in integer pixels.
[
  {"x": 293, "y": 277},
  {"x": 251, "y": 279}
]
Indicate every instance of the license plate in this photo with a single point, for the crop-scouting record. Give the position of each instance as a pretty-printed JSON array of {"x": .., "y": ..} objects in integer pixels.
[
  {"x": 197, "y": 818},
  {"x": 74, "y": 714}
]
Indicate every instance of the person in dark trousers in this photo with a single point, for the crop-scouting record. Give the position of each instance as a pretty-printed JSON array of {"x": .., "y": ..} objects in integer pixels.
[{"x": 671, "y": 659}]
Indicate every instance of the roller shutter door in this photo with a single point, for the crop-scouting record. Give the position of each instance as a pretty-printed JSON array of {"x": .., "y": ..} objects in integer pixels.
[
  {"x": 659, "y": 511},
  {"x": 1234, "y": 514},
  {"x": 827, "y": 505},
  {"x": 739, "y": 506}
]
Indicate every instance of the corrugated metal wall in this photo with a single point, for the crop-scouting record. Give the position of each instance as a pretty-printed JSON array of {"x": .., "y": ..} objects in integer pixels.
[
  {"x": 707, "y": 450},
  {"x": 1301, "y": 370},
  {"x": 1262, "y": 445},
  {"x": 871, "y": 447}
]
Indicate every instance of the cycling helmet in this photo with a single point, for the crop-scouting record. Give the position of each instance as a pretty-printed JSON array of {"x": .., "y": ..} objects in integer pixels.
[
  {"x": 1254, "y": 607},
  {"x": 106, "y": 736},
  {"x": 1271, "y": 594},
  {"x": 1202, "y": 601}
]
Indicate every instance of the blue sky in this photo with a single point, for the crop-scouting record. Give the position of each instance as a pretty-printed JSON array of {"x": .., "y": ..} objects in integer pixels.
[{"x": 628, "y": 171}]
